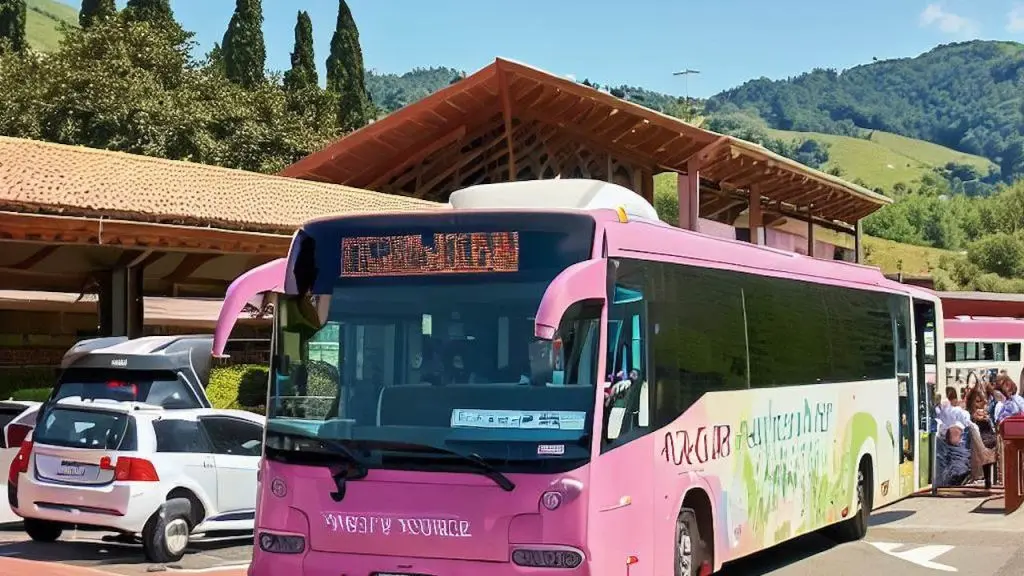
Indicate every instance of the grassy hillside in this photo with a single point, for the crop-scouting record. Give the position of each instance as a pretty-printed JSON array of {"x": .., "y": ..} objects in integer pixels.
[
  {"x": 44, "y": 21},
  {"x": 965, "y": 96},
  {"x": 885, "y": 159}
]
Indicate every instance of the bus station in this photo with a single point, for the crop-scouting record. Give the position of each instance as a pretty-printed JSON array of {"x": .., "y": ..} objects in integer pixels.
[{"x": 132, "y": 231}]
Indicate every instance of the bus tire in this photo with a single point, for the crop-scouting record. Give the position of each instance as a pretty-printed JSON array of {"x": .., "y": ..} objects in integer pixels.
[
  {"x": 693, "y": 556},
  {"x": 856, "y": 527}
]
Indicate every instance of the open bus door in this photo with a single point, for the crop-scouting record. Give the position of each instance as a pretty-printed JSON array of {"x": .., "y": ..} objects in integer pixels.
[{"x": 927, "y": 368}]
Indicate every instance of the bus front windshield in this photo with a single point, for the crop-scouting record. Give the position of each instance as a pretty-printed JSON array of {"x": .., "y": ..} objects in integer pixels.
[{"x": 423, "y": 371}]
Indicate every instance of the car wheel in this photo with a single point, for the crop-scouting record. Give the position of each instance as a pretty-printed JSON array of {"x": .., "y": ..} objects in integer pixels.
[
  {"x": 43, "y": 530},
  {"x": 165, "y": 536}
]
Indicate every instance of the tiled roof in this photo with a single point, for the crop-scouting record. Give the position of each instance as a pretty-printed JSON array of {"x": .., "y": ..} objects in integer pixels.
[{"x": 77, "y": 181}]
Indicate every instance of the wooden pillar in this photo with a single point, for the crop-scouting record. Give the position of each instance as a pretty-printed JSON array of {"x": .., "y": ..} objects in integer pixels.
[
  {"x": 506, "y": 110},
  {"x": 120, "y": 302},
  {"x": 754, "y": 215},
  {"x": 810, "y": 230},
  {"x": 689, "y": 197},
  {"x": 647, "y": 185},
  {"x": 858, "y": 243}
]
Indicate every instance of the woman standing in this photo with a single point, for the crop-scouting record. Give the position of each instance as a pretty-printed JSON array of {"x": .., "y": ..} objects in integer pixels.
[{"x": 985, "y": 458}]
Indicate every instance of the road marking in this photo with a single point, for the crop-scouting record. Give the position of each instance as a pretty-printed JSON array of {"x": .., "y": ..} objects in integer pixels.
[{"x": 922, "y": 555}]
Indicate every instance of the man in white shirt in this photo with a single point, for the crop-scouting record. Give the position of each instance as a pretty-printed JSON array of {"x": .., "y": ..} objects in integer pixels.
[{"x": 948, "y": 412}]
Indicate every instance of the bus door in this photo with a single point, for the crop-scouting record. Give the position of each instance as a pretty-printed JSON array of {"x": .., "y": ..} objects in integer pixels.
[
  {"x": 622, "y": 500},
  {"x": 926, "y": 361},
  {"x": 907, "y": 380}
]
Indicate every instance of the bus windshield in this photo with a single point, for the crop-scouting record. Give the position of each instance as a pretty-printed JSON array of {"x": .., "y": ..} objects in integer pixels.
[{"x": 412, "y": 363}]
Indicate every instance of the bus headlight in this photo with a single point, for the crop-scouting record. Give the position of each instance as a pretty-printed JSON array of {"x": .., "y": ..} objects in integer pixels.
[
  {"x": 547, "y": 558},
  {"x": 282, "y": 543}
]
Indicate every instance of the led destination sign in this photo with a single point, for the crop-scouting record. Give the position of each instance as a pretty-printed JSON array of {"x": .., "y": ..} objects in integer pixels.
[{"x": 449, "y": 253}]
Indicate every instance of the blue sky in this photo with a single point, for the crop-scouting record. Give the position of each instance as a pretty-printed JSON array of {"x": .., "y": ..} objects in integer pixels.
[{"x": 637, "y": 42}]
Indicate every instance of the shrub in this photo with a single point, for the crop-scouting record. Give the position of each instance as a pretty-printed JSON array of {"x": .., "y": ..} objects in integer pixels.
[
  {"x": 252, "y": 388},
  {"x": 323, "y": 379},
  {"x": 21, "y": 377},
  {"x": 241, "y": 386},
  {"x": 32, "y": 394}
]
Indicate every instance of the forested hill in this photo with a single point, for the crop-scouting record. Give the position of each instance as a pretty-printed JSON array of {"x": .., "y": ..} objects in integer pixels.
[{"x": 967, "y": 96}]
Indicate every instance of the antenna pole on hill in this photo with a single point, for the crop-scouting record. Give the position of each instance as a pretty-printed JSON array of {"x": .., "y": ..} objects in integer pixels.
[{"x": 686, "y": 82}]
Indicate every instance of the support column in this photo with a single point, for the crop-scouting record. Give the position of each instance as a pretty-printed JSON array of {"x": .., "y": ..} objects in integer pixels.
[
  {"x": 120, "y": 302},
  {"x": 810, "y": 231},
  {"x": 754, "y": 221},
  {"x": 858, "y": 243},
  {"x": 689, "y": 197}
]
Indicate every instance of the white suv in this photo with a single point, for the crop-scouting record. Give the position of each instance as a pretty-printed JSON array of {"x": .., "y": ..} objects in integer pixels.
[{"x": 137, "y": 469}]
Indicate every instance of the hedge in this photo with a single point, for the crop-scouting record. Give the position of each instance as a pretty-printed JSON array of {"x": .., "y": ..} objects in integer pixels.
[
  {"x": 16, "y": 378},
  {"x": 240, "y": 387},
  {"x": 243, "y": 386},
  {"x": 32, "y": 394}
]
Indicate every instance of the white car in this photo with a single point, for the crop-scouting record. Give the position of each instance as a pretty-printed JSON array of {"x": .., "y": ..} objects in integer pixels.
[
  {"x": 16, "y": 421},
  {"x": 140, "y": 470}
]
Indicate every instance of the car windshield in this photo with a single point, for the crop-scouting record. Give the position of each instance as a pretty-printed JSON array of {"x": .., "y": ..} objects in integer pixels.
[
  {"x": 158, "y": 387},
  {"x": 82, "y": 428},
  {"x": 442, "y": 360}
]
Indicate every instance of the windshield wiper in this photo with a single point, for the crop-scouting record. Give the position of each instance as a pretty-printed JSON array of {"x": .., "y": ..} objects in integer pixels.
[
  {"x": 353, "y": 468},
  {"x": 482, "y": 466}
]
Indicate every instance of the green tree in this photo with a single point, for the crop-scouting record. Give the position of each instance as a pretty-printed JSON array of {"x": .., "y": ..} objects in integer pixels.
[
  {"x": 156, "y": 12},
  {"x": 345, "y": 72},
  {"x": 1001, "y": 254},
  {"x": 245, "y": 54},
  {"x": 95, "y": 10},
  {"x": 12, "y": 25},
  {"x": 128, "y": 86},
  {"x": 303, "y": 73}
]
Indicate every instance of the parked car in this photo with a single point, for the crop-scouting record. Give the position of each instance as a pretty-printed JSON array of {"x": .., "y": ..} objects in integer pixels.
[
  {"x": 16, "y": 421},
  {"x": 148, "y": 473},
  {"x": 167, "y": 371}
]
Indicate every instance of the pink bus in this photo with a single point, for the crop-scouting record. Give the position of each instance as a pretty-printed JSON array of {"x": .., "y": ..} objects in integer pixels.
[{"x": 543, "y": 378}]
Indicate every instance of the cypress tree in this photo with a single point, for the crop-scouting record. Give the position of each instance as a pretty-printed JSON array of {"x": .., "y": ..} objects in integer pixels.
[
  {"x": 12, "y": 24},
  {"x": 345, "y": 72},
  {"x": 303, "y": 73},
  {"x": 156, "y": 12},
  {"x": 94, "y": 11},
  {"x": 245, "y": 55}
]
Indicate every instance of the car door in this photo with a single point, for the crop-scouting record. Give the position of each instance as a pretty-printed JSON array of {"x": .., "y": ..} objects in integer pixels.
[
  {"x": 237, "y": 444},
  {"x": 182, "y": 446}
]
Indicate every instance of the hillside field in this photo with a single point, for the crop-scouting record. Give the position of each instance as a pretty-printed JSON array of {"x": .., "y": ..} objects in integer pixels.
[
  {"x": 44, "y": 20},
  {"x": 884, "y": 159}
]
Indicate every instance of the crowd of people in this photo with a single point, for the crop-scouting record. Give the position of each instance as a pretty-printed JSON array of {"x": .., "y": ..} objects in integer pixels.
[{"x": 968, "y": 427}]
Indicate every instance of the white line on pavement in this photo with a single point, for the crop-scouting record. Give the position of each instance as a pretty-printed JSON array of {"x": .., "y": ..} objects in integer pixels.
[{"x": 923, "y": 556}]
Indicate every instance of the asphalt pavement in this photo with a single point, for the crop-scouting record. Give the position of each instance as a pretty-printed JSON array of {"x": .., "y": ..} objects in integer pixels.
[{"x": 962, "y": 533}]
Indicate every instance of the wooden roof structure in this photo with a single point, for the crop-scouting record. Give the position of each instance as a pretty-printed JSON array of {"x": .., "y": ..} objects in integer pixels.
[
  {"x": 512, "y": 121},
  {"x": 69, "y": 212}
]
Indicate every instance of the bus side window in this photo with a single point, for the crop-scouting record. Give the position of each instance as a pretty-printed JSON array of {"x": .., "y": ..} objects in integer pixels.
[
  {"x": 1013, "y": 352},
  {"x": 627, "y": 414}
]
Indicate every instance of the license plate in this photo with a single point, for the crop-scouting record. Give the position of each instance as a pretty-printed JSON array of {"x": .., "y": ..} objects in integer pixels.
[{"x": 74, "y": 470}]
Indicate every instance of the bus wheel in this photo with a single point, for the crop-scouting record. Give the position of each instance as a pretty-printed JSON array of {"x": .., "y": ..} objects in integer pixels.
[
  {"x": 856, "y": 527},
  {"x": 692, "y": 555}
]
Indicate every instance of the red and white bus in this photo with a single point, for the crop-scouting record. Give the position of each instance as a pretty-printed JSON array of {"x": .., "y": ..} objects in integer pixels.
[
  {"x": 545, "y": 375},
  {"x": 978, "y": 348}
]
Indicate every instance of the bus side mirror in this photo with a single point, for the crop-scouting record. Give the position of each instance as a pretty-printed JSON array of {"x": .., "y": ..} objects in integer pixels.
[
  {"x": 265, "y": 278},
  {"x": 587, "y": 280}
]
